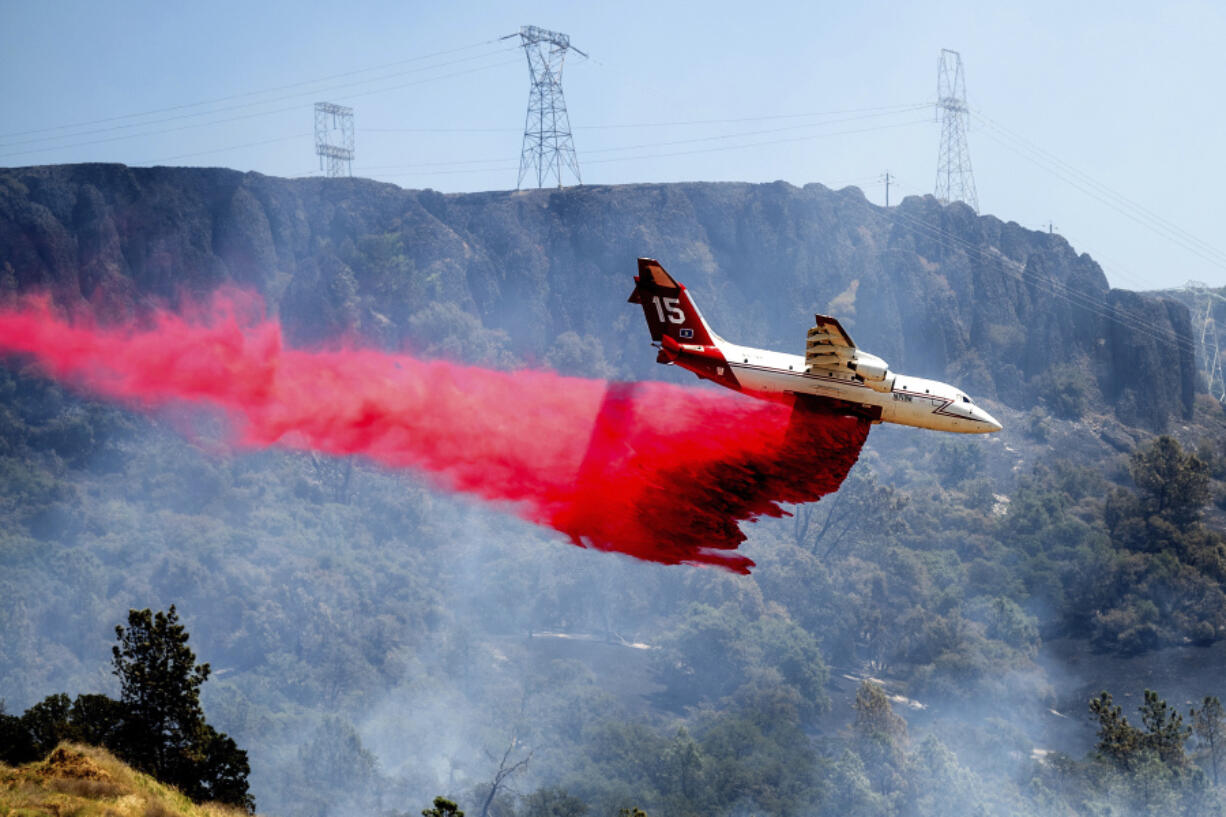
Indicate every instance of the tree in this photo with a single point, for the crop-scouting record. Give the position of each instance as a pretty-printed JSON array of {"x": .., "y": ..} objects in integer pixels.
[
  {"x": 96, "y": 720},
  {"x": 875, "y": 716},
  {"x": 850, "y": 794},
  {"x": 1164, "y": 730},
  {"x": 93, "y": 719},
  {"x": 1063, "y": 390},
  {"x": 1118, "y": 740},
  {"x": 849, "y": 516},
  {"x": 1173, "y": 485},
  {"x": 46, "y": 723},
  {"x": 506, "y": 768},
  {"x": 939, "y": 784},
  {"x": 1127, "y": 747},
  {"x": 159, "y": 683},
  {"x": 682, "y": 762},
  {"x": 157, "y": 726},
  {"x": 16, "y": 745},
  {"x": 164, "y": 731},
  {"x": 442, "y": 808},
  {"x": 553, "y": 802},
  {"x": 958, "y": 461},
  {"x": 1209, "y": 724},
  {"x": 221, "y": 771},
  {"x": 881, "y": 734},
  {"x": 336, "y": 769}
]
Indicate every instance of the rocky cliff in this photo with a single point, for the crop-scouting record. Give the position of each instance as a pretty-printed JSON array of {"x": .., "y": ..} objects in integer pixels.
[{"x": 541, "y": 276}]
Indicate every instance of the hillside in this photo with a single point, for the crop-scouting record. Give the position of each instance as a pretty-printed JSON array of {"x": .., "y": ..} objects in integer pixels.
[
  {"x": 376, "y": 642},
  {"x": 89, "y": 782},
  {"x": 935, "y": 290}
]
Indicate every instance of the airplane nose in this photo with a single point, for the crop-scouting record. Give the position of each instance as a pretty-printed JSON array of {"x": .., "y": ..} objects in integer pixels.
[{"x": 990, "y": 420}]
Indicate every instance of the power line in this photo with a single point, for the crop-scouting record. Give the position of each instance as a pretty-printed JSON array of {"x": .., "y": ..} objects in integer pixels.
[
  {"x": 913, "y": 106},
  {"x": 246, "y": 93},
  {"x": 247, "y": 105},
  {"x": 1056, "y": 288},
  {"x": 1117, "y": 201},
  {"x": 242, "y": 117},
  {"x": 764, "y": 143},
  {"x": 910, "y": 106},
  {"x": 741, "y": 134},
  {"x": 1151, "y": 224},
  {"x": 225, "y": 149},
  {"x": 760, "y": 143}
]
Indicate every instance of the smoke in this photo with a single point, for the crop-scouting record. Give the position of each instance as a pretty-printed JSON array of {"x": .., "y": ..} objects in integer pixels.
[{"x": 656, "y": 471}]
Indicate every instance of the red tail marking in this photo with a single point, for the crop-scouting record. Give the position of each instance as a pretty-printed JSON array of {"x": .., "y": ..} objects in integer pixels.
[{"x": 667, "y": 306}]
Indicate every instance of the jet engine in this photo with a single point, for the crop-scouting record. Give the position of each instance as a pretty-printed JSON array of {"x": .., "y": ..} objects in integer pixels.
[{"x": 872, "y": 371}]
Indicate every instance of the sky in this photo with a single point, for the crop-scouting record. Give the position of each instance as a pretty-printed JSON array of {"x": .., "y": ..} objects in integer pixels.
[{"x": 1097, "y": 120}]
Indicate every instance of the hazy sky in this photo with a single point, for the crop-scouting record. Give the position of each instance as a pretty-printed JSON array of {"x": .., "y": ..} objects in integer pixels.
[{"x": 1102, "y": 119}]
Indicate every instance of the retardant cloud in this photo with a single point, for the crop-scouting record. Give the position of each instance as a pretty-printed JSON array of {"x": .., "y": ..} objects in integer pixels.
[{"x": 660, "y": 472}]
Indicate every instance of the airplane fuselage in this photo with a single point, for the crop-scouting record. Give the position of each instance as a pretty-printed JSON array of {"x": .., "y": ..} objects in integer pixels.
[
  {"x": 913, "y": 401},
  {"x": 833, "y": 371}
]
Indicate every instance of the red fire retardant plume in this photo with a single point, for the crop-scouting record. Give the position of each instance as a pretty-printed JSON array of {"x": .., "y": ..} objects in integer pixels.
[{"x": 660, "y": 472}]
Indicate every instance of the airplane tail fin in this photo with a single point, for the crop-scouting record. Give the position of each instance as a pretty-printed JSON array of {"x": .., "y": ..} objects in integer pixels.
[{"x": 667, "y": 305}]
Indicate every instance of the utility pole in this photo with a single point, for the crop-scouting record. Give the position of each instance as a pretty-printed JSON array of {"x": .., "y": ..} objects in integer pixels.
[
  {"x": 334, "y": 138},
  {"x": 955, "y": 181},
  {"x": 887, "y": 188},
  {"x": 548, "y": 143}
]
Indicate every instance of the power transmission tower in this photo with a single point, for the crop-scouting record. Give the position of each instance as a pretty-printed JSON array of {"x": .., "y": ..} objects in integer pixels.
[
  {"x": 334, "y": 138},
  {"x": 955, "y": 181},
  {"x": 547, "y": 138},
  {"x": 1210, "y": 349}
]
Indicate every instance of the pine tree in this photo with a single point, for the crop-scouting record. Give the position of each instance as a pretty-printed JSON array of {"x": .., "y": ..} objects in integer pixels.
[
  {"x": 1174, "y": 485},
  {"x": 1164, "y": 730},
  {"x": 442, "y": 808},
  {"x": 1118, "y": 740},
  {"x": 1209, "y": 723},
  {"x": 159, "y": 683},
  {"x": 164, "y": 731}
]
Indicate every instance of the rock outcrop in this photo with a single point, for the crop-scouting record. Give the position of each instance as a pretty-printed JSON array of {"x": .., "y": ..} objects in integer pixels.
[{"x": 517, "y": 276}]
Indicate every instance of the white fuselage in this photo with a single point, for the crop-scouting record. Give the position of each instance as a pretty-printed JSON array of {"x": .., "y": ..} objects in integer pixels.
[{"x": 913, "y": 401}]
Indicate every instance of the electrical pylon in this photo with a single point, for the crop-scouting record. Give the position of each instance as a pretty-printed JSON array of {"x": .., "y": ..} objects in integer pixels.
[
  {"x": 955, "y": 181},
  {"x": 334, "y": 138},
  {"x": 1210, "y": 351},
  {"x": 547, "y": 139}
]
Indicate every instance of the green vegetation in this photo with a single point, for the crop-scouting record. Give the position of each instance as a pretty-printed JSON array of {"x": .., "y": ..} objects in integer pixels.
[
  {"x": 442, "y": 808},
  {"x": 372, "y": 643},
  {"x": 157, "y": 725},
  {"x": 1063, "y": 390}
]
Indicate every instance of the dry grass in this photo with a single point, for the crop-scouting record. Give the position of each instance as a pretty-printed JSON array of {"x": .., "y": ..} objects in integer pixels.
[
  {"x": 84, "y": 781},
  {"x": 87, "y": 789}
]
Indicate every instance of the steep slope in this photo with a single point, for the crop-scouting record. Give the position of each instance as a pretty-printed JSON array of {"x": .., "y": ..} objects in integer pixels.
[
  {"x": 935, "y": 290},
  {"x": 91, "y": 782},
  {"x": 376, "y": 642}
]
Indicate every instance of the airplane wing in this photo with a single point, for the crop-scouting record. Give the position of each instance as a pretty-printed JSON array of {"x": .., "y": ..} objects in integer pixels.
[{"x": 828, "y": 346}]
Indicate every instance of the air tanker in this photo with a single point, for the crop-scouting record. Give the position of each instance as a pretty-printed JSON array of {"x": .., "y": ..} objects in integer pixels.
[{"x": 834, "y": 373}]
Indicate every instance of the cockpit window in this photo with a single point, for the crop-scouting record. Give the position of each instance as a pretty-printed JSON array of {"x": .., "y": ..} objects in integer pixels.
[{"x": 965, "y": 399}]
